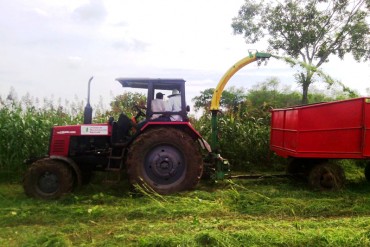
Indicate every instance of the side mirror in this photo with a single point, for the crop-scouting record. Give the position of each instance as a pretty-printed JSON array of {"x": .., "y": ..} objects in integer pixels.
[{"x": 187, "y": 108}]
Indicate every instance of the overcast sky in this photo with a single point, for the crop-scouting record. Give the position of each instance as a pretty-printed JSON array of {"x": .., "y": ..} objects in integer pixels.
[{"x": 52, "y": 47}]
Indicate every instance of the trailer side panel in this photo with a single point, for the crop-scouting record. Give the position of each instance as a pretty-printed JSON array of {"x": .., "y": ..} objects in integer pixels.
[{"x": 325, "y": 130}]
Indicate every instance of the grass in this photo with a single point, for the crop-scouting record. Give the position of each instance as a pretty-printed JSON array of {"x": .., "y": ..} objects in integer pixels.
[{"x": 268, "y": 212}]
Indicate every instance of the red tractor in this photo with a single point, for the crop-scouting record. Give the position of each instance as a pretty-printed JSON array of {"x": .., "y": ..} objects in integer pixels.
[{"x": 163, "y": 154}]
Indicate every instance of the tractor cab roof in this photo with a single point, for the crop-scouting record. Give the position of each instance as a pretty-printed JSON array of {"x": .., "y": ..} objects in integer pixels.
[
  {"x": 153, "y": 86},
  {"x": 165, "y": 84}
]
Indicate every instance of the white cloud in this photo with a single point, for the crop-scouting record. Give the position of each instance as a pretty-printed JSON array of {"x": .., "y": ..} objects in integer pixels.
[
  {"x": 75, "y": 62},
  {"x": 92, "y": 12},
  {"x": 41, "y": 12}
]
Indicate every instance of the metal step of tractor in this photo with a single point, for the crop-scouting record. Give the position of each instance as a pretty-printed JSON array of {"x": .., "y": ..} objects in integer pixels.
[
  {"x": 120, "y": 145},
  {"x": 114, "y": 169},
  {"x": 114, "y": 164},
  {"x": 115, "y": 157},
  {"x": 110, "y": 169}
]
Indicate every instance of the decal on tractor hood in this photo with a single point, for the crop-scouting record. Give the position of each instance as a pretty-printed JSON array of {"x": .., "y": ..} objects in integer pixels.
[
  {"x": 63, "y": 132},
  {"x": 94, "y": 130}
]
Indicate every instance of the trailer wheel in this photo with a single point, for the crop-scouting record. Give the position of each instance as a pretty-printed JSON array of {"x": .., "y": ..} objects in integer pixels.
[
  {"x": 165, "y": 159},
  {"x": 326, "y": 176},
  {"x": 48, "y": 179}
]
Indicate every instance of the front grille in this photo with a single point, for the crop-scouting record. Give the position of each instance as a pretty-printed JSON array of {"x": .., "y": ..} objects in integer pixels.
[{"x": 58, "y": 146}]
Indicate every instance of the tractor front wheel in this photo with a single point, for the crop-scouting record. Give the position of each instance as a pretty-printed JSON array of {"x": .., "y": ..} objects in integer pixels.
[
  {"x": 48, "y": 179},
  {"x": 166, "y": 160}
]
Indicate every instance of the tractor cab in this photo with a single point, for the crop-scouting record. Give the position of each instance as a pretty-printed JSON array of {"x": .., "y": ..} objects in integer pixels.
[
  {"x": 165, "y": 105},
  {"x": 170, "y": 93}
]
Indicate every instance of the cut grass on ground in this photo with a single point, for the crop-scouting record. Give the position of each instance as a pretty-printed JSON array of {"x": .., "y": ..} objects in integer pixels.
[{"x": 268, "y": 212}]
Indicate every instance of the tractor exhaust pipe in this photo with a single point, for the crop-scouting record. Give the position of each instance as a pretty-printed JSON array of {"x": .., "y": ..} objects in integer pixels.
[{"x": 88, "y": 109}]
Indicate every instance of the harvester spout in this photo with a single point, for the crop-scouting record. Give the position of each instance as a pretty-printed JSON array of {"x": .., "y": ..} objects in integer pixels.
[
  {"x": 88, "y": 109},
  {"x": 222, "y": 164}
]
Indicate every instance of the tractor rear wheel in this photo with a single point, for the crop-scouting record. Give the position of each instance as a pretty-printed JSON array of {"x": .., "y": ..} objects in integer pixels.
[
  {"x": 165, "y": 159},
  {"x": 326, "y": 176},
  {"x": 48, "y": 179}
]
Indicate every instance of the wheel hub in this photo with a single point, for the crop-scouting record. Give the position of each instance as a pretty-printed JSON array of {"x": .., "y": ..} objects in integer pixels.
[
  {"x": 327, "y": 180},
  {"x": 164, "y": 164},
  {"x": 48, "y": 182}
]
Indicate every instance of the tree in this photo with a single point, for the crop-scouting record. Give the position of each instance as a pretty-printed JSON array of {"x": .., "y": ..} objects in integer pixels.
[
  {"x": 125, "y": 103},
  {"x": 310, "y": 30},
  {"x": 231, "y": 99},
  {"x": 268, "y": 93},
  {"x": 203, "y": 101}
]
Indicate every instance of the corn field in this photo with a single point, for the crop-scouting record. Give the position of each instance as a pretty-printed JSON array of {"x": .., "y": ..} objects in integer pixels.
[
  {"x": 25, "y": 127},
  {"x": 244, "y": 141}
]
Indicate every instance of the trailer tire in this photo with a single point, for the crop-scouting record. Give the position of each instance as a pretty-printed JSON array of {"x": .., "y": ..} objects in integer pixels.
[
  {"x": 48, "y": 179},
  {"x": 326, "y": 177},
  {"x": 165, "y": 160}
]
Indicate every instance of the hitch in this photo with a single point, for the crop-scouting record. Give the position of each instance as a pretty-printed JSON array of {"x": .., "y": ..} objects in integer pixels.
[
  {"x": 222, "y": 168},
  {"x": 218, "y": 168}
]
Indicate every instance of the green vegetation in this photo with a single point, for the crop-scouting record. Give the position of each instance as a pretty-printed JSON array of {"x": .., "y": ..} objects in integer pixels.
[{"x": 259, "y": 212}]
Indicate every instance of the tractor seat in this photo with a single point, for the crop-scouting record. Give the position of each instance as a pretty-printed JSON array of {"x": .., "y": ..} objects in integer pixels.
[{"x": 121, "y": 129}]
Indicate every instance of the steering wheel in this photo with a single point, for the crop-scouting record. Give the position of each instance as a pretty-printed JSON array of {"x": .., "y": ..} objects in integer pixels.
[{"x": 139, "y": 113}]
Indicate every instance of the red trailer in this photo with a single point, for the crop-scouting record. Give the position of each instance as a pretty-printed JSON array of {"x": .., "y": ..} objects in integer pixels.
[{"x": 312, "y": 134}]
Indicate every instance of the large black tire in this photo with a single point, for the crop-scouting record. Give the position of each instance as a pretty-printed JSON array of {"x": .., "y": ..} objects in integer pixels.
[
  {"x": 326, "y": 176},
  {"x": 165, "y": 159},
  {"x": 48, "y": 179}
]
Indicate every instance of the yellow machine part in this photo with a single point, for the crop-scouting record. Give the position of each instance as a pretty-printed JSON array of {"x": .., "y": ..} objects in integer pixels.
[{"x": 215, "y": 103}]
